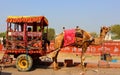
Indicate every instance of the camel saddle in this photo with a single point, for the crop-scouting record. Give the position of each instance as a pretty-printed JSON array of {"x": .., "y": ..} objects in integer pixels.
[{"x": 71, "y": 36}]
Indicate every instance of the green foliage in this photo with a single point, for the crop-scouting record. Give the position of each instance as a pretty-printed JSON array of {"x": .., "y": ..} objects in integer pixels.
[
  {"x": 2, "y": 34},
  {"x": 115, "y": 30},
  {"x": 51, "y": 34},
  {"x": 94, "y": 34}
]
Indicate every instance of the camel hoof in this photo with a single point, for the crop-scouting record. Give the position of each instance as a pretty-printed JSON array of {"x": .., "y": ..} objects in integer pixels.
[
  {"x": 82, "y": 73},
  {"x": 95, "y": 70},
  {"x": 85, "y": 69},
  {"x": 57, "y": 68}
]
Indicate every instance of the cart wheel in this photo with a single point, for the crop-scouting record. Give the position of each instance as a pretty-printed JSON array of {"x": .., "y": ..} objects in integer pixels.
[{"x": 24, "y": 62}]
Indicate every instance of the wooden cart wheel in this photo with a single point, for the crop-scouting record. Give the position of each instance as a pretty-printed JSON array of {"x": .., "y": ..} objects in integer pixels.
[{"x": 24, "y": 62}]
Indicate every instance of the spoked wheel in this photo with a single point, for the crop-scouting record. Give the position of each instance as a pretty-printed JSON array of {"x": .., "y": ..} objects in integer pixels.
[{"x": 24, "y": 62}]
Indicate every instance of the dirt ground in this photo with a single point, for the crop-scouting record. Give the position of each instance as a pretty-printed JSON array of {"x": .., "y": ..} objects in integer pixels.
[
  {"x": 45, "y": 69},
  {"x": 63, "y": 71}
]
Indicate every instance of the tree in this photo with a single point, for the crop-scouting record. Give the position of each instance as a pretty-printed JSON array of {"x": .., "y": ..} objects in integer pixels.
[
  {"x": 51, "y": 34},
  {"x": 2, "y": 34},
  {"x": 94, "y": 34},
  {"x": 115, "y": 30}
]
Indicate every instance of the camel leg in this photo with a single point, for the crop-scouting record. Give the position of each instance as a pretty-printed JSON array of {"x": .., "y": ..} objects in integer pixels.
[
  {"x": 84, "y": 48},
  {"x": 83, "y": 62},
  {"x": 55, "y": 64},
  {"x": 54, "y": 58}
]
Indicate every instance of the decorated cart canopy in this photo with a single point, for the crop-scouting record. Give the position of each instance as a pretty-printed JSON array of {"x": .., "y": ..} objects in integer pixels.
[{"x": 27, "y": 19}]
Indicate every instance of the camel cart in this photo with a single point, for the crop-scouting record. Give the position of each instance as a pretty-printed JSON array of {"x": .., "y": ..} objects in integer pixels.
[{"x": 25, "y": 40}]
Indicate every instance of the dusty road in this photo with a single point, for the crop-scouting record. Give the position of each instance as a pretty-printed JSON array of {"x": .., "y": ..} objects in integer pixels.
[
  {"x": 62, "y": 71},
  {"x": 74, "y": 70}
]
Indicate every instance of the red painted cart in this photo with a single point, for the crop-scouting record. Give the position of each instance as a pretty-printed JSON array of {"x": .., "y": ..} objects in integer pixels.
[{"x": 24, "y": 39}]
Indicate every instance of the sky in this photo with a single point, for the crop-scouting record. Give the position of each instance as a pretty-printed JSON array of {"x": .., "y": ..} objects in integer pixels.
[{"x": 89, "y": 15}]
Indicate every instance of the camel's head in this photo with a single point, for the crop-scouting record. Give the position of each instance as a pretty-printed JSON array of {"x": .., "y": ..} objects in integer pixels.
[{"x": 105, "y": 29}]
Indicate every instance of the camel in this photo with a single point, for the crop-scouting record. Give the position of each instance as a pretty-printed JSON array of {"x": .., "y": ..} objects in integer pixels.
[{"x": 83, "y": 39}]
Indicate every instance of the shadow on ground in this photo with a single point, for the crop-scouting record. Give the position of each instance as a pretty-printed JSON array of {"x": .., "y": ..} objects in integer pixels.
[
  {"x": 5, "y": 73},
  {"x": 49, "y": 65}
]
